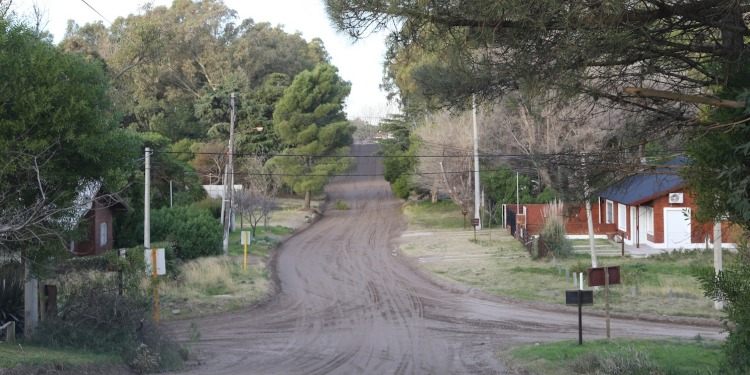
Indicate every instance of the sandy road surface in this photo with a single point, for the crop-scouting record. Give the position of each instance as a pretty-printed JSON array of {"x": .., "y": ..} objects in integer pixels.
[{"x": 349, "y": 305}]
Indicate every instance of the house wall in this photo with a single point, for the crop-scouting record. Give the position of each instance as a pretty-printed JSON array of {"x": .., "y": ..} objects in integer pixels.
[
  {"x": 91, "y": 246},
  {"x": 698, "y": 231},
  {"x": 103, "y": 215},
  {"x": 575, "y": 220}
]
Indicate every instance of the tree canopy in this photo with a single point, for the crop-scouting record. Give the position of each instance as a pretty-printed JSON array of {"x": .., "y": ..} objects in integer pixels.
[
  {"x": 586, "y": 53},
  {"x": 595, "y": 47},
  {"x": 312, "y": 126},
  {"x": 56, "y": 132}
]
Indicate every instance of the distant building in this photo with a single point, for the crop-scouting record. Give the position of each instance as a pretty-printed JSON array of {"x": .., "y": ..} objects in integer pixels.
[{"x": 93, "y": 211}]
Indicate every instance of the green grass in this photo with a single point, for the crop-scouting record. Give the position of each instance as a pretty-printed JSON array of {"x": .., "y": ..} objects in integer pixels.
[
  {"x": 264, "y": 241},
  {"x": 498, "y": 264},
  {"x": 442, "y": 215},
  {"x": 671, "y": 356},
  {"x": 341, "y": 205},
  {"x": 31, "y": 355}
]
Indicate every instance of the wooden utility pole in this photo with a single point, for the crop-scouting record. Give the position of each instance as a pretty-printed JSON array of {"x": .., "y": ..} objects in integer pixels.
[
  {"x": 30, "y": 298},
  {"x": 477, "y": 216},
  {"x": 147, "y": 201},
  {"x": 228, "y": 200}
]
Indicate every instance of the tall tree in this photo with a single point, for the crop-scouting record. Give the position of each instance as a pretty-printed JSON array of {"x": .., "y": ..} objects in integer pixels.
[
  {"x": 585, "y": 46},
  {"x": 56, "y": 126},
  {"x": 311, "y": 124}
]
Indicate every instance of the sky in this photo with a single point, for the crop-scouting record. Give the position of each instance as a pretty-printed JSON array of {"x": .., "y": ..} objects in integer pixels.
[{"x": 360, "y": 62}]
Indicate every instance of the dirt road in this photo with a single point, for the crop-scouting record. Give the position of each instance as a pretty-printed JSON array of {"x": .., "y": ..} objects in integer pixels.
[{"x": 348, "y": 304}]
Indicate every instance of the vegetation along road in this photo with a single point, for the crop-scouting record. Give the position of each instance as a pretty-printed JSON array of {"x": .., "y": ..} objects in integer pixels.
[{"x": 349, "y": 304}]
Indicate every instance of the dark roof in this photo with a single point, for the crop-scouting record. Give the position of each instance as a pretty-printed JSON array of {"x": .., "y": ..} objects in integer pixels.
[{"x": 646, "y": 186}]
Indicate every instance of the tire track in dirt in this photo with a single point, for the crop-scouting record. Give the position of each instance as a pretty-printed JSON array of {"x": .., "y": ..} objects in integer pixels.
[{"x": 347, "y": 305}]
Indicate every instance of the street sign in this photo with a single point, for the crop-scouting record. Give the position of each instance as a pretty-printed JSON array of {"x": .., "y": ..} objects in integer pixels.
[
  {"x": 596, "y": 275},
  {"x": 579, "y": 298},
  {"x": 573, "y": 296},
  {"x": 161, "y": 264},
  {"x": 475, "y": 222},
  {"x": 245, "y": 237}
]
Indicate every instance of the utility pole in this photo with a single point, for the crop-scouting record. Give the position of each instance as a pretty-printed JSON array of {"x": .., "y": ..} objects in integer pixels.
[
  {"x": 147, "y": 202},
  {"x": 477, "y": 215},
  {"x": 229, "y": 180},
  {"x": 170, "y": 193},
  {"x": 518, "y": 196},
  {"x": 718, "y": 305}
]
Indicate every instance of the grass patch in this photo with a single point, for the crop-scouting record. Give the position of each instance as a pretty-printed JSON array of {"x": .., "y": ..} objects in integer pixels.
[
  {"x": 441, "y": 215},
  {"x": 265, "y": 240},
  {"x": 663, "y": 357},
  {"x": 341, "y": 205},
  {"x": 213, "y": 284},
  {"x": 498, "y": 264},
  {"x": 32, "y": 355}
]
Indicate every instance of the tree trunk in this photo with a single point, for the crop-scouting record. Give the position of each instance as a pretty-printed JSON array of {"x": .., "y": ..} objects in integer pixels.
[
  {"x": 434, "y": 191},
  {"x": 30, "y": 301},
  {"x": 590, "y": 222},
  {"x": 307, "y": 200}
]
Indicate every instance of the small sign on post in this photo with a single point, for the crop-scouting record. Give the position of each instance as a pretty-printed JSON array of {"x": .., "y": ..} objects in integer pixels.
[
  {"x": 161, "y": 264},
  {"x": 155, "y": 265},
  {"x": 245, "y": 240},
  {"x": 579, "y": 298}
]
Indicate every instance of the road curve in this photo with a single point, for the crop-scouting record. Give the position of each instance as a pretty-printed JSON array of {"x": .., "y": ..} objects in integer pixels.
[{"x": 348, "y": 304}]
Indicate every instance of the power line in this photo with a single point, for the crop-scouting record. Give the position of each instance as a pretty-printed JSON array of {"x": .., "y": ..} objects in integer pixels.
[
  {"x": 97, "y": 12},
  {"x": 486, "y": 156}
]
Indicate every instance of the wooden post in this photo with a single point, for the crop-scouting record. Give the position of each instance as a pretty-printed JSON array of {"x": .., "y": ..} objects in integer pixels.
[
  {"x": 244, "y": 263},
  {"x": 606, "y": 297}
]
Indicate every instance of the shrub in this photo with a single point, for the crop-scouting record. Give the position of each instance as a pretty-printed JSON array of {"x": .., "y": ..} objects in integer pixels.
[
  {"x": 341, "y": 205},
  {"x": 94, "y": 316},
  {"x": 11, "y": 294},
  {"x": 732, "y": 286},
  {"x": 401, "y": 187},
  {"x": 213, "y": 205},
  {"x": 553, "y": 232},
  {"x": 193, "y": 231}
]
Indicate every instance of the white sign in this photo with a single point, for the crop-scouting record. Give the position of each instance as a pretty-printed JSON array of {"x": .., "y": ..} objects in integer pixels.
[
  {"x": 161, "y": 263},
  {"x": 245, "y": 237}
]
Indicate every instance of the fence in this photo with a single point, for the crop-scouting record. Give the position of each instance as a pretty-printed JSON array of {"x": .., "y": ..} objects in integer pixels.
[{"x": 534, "y": 244}]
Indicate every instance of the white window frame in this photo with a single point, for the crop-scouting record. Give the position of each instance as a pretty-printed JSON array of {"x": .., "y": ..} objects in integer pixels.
[
  {"x": 609, "y": 211},
  {"x": 622, "y": 217},
  {"x": 103, "y": 235}
]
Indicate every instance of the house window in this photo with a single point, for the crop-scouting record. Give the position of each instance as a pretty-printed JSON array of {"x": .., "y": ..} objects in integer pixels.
[
  {"x": 648, "y": 214},
  {"x": 103, "y": 234},
  {"x": 622, "y": 218},
  {"x": 610, "y": 212}
]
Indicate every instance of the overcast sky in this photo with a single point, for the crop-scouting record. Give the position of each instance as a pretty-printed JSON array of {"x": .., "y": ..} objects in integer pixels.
[{"x": 359, "y": 63}]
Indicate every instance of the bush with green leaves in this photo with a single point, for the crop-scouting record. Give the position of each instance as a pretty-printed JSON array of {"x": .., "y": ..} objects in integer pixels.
[
  {"x": 732, "y": 287},
  {"x": 94, "y": 314},
  {"x": 193, "y": 231},
  {"x": 401, "y": 187}
]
